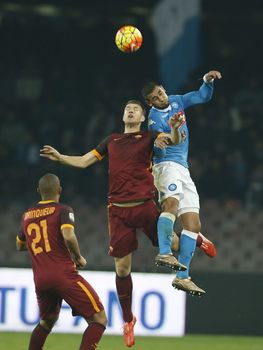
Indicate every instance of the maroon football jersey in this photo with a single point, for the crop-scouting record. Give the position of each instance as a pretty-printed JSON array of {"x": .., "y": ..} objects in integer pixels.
[
  {"x": 130, "y": 177},
  {"x": 41, "y": 229}
]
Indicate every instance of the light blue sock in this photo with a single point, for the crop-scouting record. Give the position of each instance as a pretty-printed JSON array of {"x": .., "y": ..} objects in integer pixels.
[
  {"x": 186, "y": 252},
  {"x": 165, "y": 232}
]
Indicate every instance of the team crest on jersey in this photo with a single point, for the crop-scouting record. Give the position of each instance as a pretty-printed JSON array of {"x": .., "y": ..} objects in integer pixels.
[
  {"x": 174, "y": 105},
  {"x": 151, "y": 122},
  {"x": 172, "y": 187}
]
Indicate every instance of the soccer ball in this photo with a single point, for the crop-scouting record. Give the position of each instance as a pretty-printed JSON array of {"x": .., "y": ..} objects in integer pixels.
[{"x": 128, "y": 39}]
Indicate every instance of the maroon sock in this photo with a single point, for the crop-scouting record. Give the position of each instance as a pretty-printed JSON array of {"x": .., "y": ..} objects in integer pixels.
[
  {"x": 92, "y": 336},
  {"x": 124, "y": 290},
  {"x": 38, "y": 338},
  {"x": 199, "y": 241}
]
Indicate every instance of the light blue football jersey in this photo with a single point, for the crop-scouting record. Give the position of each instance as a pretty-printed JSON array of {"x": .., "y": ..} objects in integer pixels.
[{"x": 158, "y": 120}]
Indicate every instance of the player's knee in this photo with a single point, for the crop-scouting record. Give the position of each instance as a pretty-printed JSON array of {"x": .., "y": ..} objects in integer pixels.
[
  {"x": 100, "y": 318},
  {"x": 170, "y": 205},
  {"x": 48, "y": 324},
  {"x": 103, "y": 319},
  {"x": 123, "y": 271}
]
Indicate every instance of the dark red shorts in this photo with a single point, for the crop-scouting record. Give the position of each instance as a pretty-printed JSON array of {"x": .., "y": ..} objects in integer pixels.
[
  {"x": 74, "y": 289},
  {"x": 123, "y": 223}
]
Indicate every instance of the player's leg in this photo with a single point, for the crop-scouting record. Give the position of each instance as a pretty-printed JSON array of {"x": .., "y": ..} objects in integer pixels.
[
  {"x": 188, "y": 213},
  {"x": 191, "y": 226},
  {"x": 147, "y": 218},
  {"x": 92, "y": 335},
  {"x": 169, "y": 200},
  {"x": 124, "y": 288},
  {"x": 167, "y": 181},
  {"x": 49, "y": 307},
  {"x": 124, "y": 285},
  {"x": 123, "y": 242},
  {"x": 85, "y": 302},
  {"x": 165, "y": 224},
  {"x": 202, "y": 243},
  {"x": 40, "y": 333}
]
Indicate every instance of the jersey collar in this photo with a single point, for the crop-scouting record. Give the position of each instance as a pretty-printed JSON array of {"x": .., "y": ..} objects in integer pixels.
[
  {"x": 167, "y": 109},
  {"x": 46, "y": 202}
]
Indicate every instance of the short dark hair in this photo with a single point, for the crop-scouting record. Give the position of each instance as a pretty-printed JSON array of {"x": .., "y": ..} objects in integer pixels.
[
  {"x": 148, "y": 89},
  {"x": 137, "y": 102},
  {"x": 48, "y": 185}
]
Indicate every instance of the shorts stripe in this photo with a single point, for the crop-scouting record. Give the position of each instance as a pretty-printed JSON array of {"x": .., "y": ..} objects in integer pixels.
[{"x": 93, "y": 302}]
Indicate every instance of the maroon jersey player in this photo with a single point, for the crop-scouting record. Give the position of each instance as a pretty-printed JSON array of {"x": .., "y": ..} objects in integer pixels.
[
  {"x": 47, "y": 232},
  {"x": 131, "y": 193}
]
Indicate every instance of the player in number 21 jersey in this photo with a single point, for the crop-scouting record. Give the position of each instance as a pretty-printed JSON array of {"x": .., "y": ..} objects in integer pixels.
[
  {"x": 47, "y": 231},
  {"x": 41, "y": 226}
]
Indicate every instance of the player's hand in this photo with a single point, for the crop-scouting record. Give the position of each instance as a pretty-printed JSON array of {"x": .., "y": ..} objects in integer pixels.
[
  {"x": 213, "y": 74},
  {"x": 80, "y": 262},
  {"x": 162, "y": 142},
  {"x": 50, "y": 153},
  {"x": 177, "y": 120}
]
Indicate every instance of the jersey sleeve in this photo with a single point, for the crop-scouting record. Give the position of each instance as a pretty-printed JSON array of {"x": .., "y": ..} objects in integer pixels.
[
  {"x": 204, "y": 94},
  {"x": 67, "y": 218},
  {"x": 102, "y": 149}
]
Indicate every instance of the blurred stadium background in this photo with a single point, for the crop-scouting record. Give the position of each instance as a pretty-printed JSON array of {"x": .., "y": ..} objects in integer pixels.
[{"x": 63, "y": 82}]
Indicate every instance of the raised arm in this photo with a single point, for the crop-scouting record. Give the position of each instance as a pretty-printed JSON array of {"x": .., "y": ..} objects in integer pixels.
[
  {"x": 71, "y": 242},
  {"x": 204, "y": 94},
  {"x": 76, "y": 161}
]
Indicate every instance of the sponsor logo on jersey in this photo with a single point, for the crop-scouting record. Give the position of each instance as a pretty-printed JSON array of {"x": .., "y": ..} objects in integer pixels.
[
  {"x": 172, "y": 187},
  {"x": 151, "y": 122},
  {"x": 71, "y": 217}
]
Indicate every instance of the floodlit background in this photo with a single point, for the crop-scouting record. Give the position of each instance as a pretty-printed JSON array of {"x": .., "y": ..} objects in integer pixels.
[{"x": 63, "y": 82}]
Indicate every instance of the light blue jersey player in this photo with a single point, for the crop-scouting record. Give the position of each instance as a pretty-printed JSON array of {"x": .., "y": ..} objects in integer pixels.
[{"x": 177, "y": 192}]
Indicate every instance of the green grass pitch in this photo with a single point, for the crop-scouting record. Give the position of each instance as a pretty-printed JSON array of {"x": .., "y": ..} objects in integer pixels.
[{"x": 19, "y": 341}]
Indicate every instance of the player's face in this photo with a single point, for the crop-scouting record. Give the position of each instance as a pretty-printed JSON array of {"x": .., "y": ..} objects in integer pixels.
[
  {"x": 133, "y": 113},
  {"x": 158, "y": 98}
]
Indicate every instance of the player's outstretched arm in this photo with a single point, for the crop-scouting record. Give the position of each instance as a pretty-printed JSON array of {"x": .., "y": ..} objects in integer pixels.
[
  {"x": 205, "y": 92},
  {"x": 73, "y": 246},
  {"x": 76, "y": 161}
]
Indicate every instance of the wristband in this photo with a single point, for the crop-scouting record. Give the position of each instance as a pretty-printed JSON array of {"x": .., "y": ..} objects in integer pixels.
[{"x": 206, "y": 81}]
